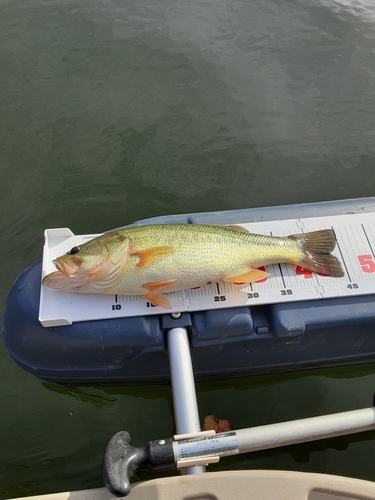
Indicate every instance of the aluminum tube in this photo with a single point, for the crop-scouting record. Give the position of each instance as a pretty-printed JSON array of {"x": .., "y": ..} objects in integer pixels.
[
  {"x": 183, "y": 387},
  {"x": 308, "y": 429}
]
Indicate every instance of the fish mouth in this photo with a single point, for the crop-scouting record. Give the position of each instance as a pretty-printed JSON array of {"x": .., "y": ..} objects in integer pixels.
[
  {"x": 61, "y": 281},
  {"x": 54, "y": 279},
  {"x": 65, "y": 278},
  {"x": 68, "y": 269}
]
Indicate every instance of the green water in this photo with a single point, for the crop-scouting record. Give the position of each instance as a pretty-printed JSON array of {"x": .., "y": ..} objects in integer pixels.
[{"x": 116, "y": 111}]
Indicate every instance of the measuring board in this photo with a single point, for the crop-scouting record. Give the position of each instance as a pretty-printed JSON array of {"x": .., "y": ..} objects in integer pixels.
[{"x": 355, "y": 234}]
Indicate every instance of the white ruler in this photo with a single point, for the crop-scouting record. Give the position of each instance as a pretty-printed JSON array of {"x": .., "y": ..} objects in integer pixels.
[{"x": 355, "y": 248}]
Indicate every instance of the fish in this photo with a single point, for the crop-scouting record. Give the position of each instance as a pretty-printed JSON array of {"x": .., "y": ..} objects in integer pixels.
[{"x": 156, "y": 259}]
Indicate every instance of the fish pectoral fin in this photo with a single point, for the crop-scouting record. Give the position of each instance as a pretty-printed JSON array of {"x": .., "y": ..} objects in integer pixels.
[
  {"x": 249, "y": 276},
  {"x": 148, "y": 255},
  {"x": 155, "y": 297}
]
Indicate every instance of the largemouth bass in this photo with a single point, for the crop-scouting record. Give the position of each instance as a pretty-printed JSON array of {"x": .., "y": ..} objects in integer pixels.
[{"x": 156, "y": 259}]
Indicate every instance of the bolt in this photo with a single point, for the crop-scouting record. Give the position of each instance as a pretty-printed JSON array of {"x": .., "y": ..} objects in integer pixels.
[{"x": 175, "y": 315}]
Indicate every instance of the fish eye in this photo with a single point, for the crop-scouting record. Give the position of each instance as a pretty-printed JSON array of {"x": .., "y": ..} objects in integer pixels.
[{"x": 73, "y": 251}]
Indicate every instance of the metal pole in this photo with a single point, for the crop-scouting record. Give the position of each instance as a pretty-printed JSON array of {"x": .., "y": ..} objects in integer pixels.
[
  {"x": 307, "y": 429},
  {"x": 183, "y": 387},
  {"x": 273, "y": 435},
  {"x": 122, "y": 460}
]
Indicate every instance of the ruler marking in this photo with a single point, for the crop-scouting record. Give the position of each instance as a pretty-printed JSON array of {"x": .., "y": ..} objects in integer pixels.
[
  {"x": 218, "y": 288},
  {"x": 350, "y": 252},
  {"x": 282, "y": 276},
  {"x": 279, "y": 265},
  {"x": 342, "y": 257},
  {"x": 368, "y": 241}
]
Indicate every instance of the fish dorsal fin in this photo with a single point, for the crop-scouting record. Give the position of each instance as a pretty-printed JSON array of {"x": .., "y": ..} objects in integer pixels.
[
  {"x": 233, "y": 227},
  {"x": 239, "y": 229}
]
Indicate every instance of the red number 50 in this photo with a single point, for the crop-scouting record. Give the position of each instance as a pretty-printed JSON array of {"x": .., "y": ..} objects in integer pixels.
[{"x": 367, "y": 263}]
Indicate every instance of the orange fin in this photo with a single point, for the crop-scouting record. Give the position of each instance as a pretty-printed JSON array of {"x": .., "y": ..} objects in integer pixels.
[
  {"x": 249, "y": 277},
  {"x": 155, "y": 297},
  {"x": 150, "y": 254}
]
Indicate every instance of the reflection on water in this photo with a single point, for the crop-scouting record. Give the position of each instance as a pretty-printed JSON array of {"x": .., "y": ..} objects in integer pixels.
[
  {"x": 113, "y": 112},
  {"x": 94, "y": 399}
]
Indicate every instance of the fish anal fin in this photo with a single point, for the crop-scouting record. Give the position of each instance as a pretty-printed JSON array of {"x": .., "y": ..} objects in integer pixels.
[
  {"x": 249, "y": 276},
  {"x": 148, "y": 255},
  {"x": 155, "y": 297}
]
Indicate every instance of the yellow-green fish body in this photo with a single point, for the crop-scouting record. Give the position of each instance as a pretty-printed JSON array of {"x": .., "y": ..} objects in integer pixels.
[{"x": 156, "y": 259}]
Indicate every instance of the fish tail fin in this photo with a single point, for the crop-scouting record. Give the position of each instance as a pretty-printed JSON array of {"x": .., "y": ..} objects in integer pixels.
[{"x": 316, "y": 247}]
